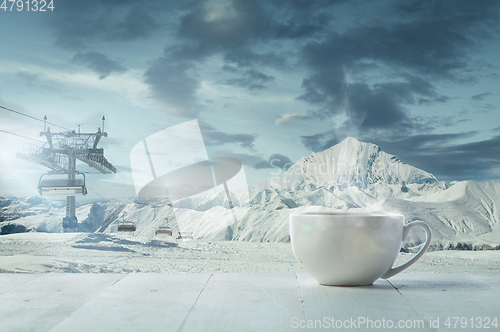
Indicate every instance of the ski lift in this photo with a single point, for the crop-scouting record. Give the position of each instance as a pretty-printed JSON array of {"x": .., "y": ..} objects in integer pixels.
[
  {"x": 126, "y": 226},
  {"x": 61, "y": 186},
  {"x": 164, "y": 230}
]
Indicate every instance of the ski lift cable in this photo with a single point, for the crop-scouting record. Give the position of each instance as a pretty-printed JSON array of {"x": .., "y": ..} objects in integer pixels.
[
  {"x": 121, "y": 200},
  {"x": 95, "y": 192},
  {"x": 34, "y": 139},
  {"x": 32, "y": 117}
]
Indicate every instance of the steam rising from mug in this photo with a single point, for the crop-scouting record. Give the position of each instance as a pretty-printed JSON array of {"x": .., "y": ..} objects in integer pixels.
[{"x": 355, "y": 118}]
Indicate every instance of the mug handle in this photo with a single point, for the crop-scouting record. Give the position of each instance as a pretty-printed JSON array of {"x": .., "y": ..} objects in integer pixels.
[{"x": 406, "y": 230}]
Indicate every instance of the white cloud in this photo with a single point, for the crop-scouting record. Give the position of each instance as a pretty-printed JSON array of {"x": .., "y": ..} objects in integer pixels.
[
  {"x": 287, "y": 117},
  {"x": 128, "y": 85}
]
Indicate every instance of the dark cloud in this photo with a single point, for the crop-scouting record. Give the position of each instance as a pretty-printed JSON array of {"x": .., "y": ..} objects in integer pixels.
[
  {"x": 443, "y": 156},
  {"x": 79, "y": 24},
  {"x": 470, "y": 161},
  {"x": 219, "y": 138},
  {"x": 426, "y": 101},
  {"x": 373, "y": 107},
  {"x": 246, "y": 58},
  {"x": 233, "y": 24},
  {"x": 224, "y": 24},
  {"x": 399, "y": 146},
  {"x": 247, "y": 159},
  {"x": 250, "y": 79},
  {"x": 306, "y": 6},
  {"x": 481, "y": 96},
  {"x": 173, "y": 84},
  {"x": 418, "y": 143},
  {"x": 275, "y": 161},
  {"x": 138, "y": 23},
  {"x": 377, "y": 106},
  {"x": 235, "y": 30},
  {"x": 422, "y": 42},
  {"x": 314, "y": 142},
  {"x": 99, "y": 63},
  {"x": 486, "y": 108},
  {"x": 213, "y": 136},
  {"x": 320, "y": 142},
  {"x": 369, "y": 68},
  {"x": 430, "y": 123}
]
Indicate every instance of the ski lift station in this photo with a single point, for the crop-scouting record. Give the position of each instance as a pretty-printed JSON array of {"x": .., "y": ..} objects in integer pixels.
[{"x": 60, "y": 153}]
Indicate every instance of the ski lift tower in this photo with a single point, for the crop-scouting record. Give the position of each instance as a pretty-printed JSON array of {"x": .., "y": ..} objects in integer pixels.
[{"x": 60, "y": 153}]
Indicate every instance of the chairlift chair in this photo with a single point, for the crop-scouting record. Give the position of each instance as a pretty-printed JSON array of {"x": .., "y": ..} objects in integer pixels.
[
  {"x": 126, "y": 226},
  {"x": 61, "y": 186},
  {"x": 163, "y": 230}
]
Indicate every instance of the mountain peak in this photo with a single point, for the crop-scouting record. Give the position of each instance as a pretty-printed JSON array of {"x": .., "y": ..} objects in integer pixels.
[
  {"x": 350, "y": 163},
  {"x": 351, "y": 142}
]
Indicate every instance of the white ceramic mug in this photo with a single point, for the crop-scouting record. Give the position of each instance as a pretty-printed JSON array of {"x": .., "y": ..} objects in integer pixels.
[{"x": 351, "y": 249}]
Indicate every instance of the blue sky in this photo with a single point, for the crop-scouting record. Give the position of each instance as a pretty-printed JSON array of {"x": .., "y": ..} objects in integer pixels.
[{"x": 267, "y": 80}]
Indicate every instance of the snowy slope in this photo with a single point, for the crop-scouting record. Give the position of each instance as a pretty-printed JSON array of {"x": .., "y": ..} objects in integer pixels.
[
  {"x": 358, "y": 176},
  {"x": 351, "y": 176}
]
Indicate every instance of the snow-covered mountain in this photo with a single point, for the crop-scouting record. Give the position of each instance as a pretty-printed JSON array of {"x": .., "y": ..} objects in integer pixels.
[
  {"x": 350, "y": 176},
  {"x": 350, "y": 163},
  {"x": 41, "y": 215}
]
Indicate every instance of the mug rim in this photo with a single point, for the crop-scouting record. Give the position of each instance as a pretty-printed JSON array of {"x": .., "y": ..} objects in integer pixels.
[{"x": 348, "y": 214}]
